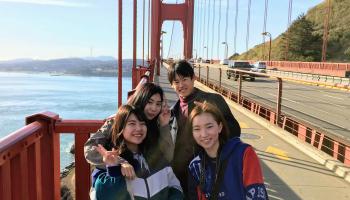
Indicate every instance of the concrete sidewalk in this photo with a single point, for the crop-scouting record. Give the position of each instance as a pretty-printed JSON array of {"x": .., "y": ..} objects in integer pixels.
[{"x": 288, "y": 172}]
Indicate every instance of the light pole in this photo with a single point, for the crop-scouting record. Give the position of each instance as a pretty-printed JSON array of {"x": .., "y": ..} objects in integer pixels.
[
  {"x": 226, "y": 49},
  {"x": 268, "y": 34},
  {"x": 196, "y": 53},
  {"x": 161, "y": 42},
  {"x": 205, "y": 47}
]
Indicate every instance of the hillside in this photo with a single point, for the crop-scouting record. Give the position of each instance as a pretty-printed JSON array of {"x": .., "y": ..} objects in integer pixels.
[
  {"x": 73, "y": 66},
  {"x": 308, "y": 45}
]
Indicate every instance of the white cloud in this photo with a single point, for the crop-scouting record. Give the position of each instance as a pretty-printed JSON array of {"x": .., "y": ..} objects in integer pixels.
[{"x": 49, "y": 2}]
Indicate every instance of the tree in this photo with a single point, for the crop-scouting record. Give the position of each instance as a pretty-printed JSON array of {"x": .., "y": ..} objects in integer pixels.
[{"x": 303, "y": 44}]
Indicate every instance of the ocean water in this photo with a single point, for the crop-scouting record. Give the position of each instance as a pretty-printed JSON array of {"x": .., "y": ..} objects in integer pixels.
[{"x": 72, "y": 97}]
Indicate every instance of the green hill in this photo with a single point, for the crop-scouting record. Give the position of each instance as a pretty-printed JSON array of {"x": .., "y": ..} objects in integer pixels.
[{"x": 305, "y": 37}]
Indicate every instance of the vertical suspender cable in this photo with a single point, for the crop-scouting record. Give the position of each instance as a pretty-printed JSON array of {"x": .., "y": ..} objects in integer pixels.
[
  {"x": 248, "y": 24},
  {"x": 134, "y": 35},
  {"x": 236, "y": 21},
  {"x": 143, "y": 33},
  {"x": 197, "y": 25},
  {"x": 290, "y": 9},
  {"x": 325, "y": 32},
  {"x": 199, "y": 47},
  {"x": 219, "y": 29},
  {"x": 171, "y": 37},
  {"x": 264, "y": 27},
  {"x": 208, "y": 28},
  {"x": 226, "y": 28},
  {"x": 120, "y": 55},
  {"x": 212, "y": 36},
  {"x": 203, "y": 41},
  {"x": 148, "y": 30}
]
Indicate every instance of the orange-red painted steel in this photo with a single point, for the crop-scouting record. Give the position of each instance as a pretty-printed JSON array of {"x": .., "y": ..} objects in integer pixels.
[
  {"x": 120, "y": 55},
  {"x": 321, "y": 68},
  {"x": 161, "y": 12}
]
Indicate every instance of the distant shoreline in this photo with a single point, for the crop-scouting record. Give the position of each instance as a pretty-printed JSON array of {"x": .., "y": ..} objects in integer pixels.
[{"x": 65, "y": 74}]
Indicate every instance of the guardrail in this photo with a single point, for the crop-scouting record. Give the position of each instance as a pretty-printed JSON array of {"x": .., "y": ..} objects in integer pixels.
[
  {"x": 315, "y": 79},
  {"x": 334, "y": 146},
  {"x": 30, "y": 157}
]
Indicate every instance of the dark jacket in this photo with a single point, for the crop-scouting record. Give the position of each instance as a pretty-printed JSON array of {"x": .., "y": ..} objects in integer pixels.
[
  {"x": 185, "y": 147},
  {"x": 235, "y": 183}
]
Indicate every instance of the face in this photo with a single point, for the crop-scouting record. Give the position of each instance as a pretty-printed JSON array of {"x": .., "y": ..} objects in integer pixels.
[
  {"x": 183, "y": 86},
  {"x": 153, "y": 107},
  {"x": 206, "y": 132},
  {"x": 134, "y": 131}
]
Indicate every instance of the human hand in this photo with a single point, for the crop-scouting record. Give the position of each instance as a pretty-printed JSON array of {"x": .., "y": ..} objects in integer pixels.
[
  {"x": 109, "y": 157},
  {"x": 127, "y": 170},
  {"x": 164, "y": 116}
]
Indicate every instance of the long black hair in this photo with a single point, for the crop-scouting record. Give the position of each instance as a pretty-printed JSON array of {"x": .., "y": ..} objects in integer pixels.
[{"x": 139, "y": 100}]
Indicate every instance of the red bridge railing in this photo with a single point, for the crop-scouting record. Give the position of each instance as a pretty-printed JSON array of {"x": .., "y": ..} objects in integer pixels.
[
  {"x": 322, "y": 68},
  {"x": 30, "y": 158}
]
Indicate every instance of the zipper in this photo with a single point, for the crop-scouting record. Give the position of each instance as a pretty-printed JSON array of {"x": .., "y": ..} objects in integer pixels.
[{"x": 148, "y": 193}]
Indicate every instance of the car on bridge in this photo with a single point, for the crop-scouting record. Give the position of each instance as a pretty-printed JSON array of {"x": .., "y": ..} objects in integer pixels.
[
  {"x": 259, "y": 66},
  {"x": 241, "y": 65}
]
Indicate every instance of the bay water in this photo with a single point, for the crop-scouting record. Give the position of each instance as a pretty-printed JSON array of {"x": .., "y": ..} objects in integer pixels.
[{"x": 72, "y": 97}]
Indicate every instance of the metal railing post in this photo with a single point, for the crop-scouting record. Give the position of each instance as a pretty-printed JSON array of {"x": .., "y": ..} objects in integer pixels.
[
  {"x": 220, "y": 70},
  {"x": 279, "y": 101},
  {"x": 239, "y": 88},
  {"x": 207, "y": 75},
  {"x": 199, "y": 72}
]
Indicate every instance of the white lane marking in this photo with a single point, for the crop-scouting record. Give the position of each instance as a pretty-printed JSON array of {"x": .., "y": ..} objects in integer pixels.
[
  {"x": 333, "y": 97},
  {"x": 284, "y": 98}
]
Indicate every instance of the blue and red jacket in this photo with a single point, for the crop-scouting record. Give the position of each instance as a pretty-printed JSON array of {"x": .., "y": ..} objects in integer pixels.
[{"x": 242, "y": 178}]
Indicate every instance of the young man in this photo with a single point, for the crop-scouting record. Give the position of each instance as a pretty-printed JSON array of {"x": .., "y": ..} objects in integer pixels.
[{"x": 181, "y": 77}]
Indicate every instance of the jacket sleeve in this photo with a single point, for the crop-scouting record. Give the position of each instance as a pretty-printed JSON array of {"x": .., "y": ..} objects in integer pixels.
[
  {"x": 111, "y": 185},
  {"x": 102, "y": 136},
  {"x": 166, "y": 142},
  {"x": 175, "y": 190},
  {"x": 252, "y": 176},
  {"x": 233, "y": 125}
]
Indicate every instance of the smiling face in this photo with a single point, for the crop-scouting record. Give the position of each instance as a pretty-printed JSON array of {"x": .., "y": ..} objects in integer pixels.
[
  {"x": 183, "y": 86},
  {"x": 206, "y": 133},
  {"x": 153, "y": 106},
  {"x": 134, "y": 132}
]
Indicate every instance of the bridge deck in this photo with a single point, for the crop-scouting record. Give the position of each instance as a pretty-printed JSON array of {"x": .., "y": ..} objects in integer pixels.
[{"x": 288, "y": 172}]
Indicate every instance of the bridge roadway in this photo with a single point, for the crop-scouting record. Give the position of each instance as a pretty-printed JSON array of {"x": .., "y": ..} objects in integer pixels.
[
  {"x": 326, "y": 108},
  {"x": 289, "y": 174}
]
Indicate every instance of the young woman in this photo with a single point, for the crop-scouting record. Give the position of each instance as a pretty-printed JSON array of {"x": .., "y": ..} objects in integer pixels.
[
  {"x": 154, "y": 180},
  {"x": 149, "y": 99},
  {"x": 225, "y": 168}
]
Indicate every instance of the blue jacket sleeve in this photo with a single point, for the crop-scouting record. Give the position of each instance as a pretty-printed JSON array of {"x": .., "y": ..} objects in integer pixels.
[{"x": 111, "y": 185}]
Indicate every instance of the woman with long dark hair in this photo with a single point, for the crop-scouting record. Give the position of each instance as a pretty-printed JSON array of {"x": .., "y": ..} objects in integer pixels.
[
  {"x": 225, "y": 168},
  {"x": 154, "y": 180}
]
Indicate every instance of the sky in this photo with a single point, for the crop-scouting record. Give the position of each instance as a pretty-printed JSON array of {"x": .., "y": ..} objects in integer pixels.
[{"x": 50, "y": 29}]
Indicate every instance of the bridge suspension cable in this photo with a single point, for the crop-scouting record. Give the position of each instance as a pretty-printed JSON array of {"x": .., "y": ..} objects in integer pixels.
[
  {"x": 264, "y": 27},
  {"x": 208, "y": 28},
  {"x": 290, "y": 9},
  {"x": 217, "y": 47},
  {"x": 148, "y": 30},
  {"x": 325, "y": 31},
  {"x": 143, "y": 33},
  {"x": 204, "y": 20},
  {"x": 248, "y": 24},
  {"x": 196, "y": 27},
  {"x": 226, "y": 28},
  {"x": 212, "y": 36},
  {"x": 236, "y": 22}
]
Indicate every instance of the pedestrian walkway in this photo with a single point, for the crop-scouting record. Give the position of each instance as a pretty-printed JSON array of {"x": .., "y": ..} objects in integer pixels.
[{"x": 289, "y": 174}]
